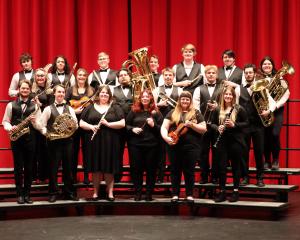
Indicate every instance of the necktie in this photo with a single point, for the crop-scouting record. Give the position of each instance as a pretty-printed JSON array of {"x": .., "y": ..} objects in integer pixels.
[{"x": 228, "y": 68}]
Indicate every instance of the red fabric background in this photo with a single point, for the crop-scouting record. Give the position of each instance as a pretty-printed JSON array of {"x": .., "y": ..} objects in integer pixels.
[{"x": 79, "y": 29}]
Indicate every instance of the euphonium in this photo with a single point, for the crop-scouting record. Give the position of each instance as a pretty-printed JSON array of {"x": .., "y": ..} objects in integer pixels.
[
  {"x": 22, "y": 128},
  {"x": 261, "y": 101},
  {"x": 142, "y": 78},
  {"x": 277, "y": 86},
  {"x": 64, "y": 126}
]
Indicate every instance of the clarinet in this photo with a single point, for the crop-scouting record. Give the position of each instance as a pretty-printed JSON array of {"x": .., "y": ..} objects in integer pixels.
[{"x": 227, "y": 116}]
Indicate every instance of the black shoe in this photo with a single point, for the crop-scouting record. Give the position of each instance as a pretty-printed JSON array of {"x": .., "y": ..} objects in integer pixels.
[
  {"x": 203, "y": 181},
  {"x": 71, "y": 197},
  {"x": 110, "y": 199},
  {"x": 267, "y": 165},
  {"x": 138, "y": 197},
  {"x": 52, "y": 199},
  {"x": 245, "y": 181},
  {"x": 260, "y": 183},
  {"x": 28, "y": 200},
  {"x": 234, "y": 197},
  {"x": 275, "y": 165},
  {"x": 148, "y": 197},
  {"x": 20, "y": 200},
  {"x": 221, "y": 197},
  {"x": 214, "y": 181},
  {"x": 175, "y": 199}
]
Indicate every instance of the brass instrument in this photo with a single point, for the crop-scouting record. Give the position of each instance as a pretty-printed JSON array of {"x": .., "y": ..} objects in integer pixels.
[
  {"x": 142, "y": 78},
  {"x": 261, "y": 101},
  {"x": 208, "y": 112},
  {"x": 22, "y": 128},
  {"x": 170, "y": 100},
  {"x": 64, "y": 126},
  {"x": 277, "y": 86}
]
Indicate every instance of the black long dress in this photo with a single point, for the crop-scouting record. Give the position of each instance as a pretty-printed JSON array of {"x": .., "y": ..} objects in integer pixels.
[{"x": 103, "y": 152}]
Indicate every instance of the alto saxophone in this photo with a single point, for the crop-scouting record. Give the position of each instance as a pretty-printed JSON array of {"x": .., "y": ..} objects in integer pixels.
[{"x": 22, "y": 128}]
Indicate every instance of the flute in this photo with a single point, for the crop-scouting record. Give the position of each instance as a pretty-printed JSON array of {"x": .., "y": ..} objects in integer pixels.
[{"x": 99, "y": 123}]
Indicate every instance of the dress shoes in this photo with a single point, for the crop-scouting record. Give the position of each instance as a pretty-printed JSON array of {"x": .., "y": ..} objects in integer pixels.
[
  {"x": 234, "y": 197},
  {"x": 28, "y": 200},
  {"x": 267, "y": 165},
  {"x": 52, "y": 199},
  {"x": 71, "y": 197},
  {"x": 138, "y": 197},
  {"x": 20, "y": 200},
  {"x": 260, "y": 182},
  {"x": 175, "y": 199},
  {"x": 148, "y": 197},
  {"x": 110, "y": 199},
  {"x": 214, "y": 181},
  {"x": 275, "y": 165},
  {"x": 221, "y": 197},
  {"x": 245, "y": 181},
  {"x": 203, "y": 181}
]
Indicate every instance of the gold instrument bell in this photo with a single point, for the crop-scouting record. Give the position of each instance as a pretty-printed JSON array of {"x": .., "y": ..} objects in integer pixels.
[{"x": 261, "y": 101}]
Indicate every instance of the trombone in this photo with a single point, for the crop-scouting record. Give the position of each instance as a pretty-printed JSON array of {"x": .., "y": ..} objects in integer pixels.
[
  {"x": 170, "y": 100},
  {"x": 208, "y": 111}
]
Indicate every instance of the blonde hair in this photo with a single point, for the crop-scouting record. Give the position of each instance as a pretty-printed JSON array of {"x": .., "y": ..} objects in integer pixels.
[
  {"x": 222, "y": 114},
  {"x": 35, "y": 86},
  {"x": 209, "y": 67},
  {"x": 189, "y": 46},
  {"x": 176, "y": 115}
]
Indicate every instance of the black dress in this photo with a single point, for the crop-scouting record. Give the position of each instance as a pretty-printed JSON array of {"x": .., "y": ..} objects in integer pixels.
[{"x": 103, "y": 152}]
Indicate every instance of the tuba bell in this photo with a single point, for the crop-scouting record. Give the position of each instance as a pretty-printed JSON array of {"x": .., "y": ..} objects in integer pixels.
[
  {"x": 142, "y": 77},
  {"x": 261, "y": 101},
  {"x": 277, "y": 86}
]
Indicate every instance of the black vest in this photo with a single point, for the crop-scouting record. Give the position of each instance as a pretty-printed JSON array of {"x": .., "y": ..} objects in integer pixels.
[
  {"x": 156, "y": 77},
  {"x": 56, "y": 81},
  {"x": 174, "y": 95},
  {"x": 125, "y": 102},
  {"x": 110, "y": 80},
  {"x": 246, "y": 102},
  {"x": 22, "y": 76},
  {"x": 54, "y": 115},
  {"x": 17, "y": 115},
  {"x": 181, "y": 76},
  {"x": 204, "y": 96}
]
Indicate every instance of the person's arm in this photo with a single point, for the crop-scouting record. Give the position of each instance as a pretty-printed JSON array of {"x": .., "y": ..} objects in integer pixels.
[
  {"x": 6, "y": 121},
  {"x": 196, "y": 98},
  {"x": 13, "y": 90},
  {"x": 283, "y": 99},
  {"x": 44, "y": 120}
]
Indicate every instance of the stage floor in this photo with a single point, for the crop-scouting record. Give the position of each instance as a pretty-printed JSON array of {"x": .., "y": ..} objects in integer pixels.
[{"x": 151, "y": 223}]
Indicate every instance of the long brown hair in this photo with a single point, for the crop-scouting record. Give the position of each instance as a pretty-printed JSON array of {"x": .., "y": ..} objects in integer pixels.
[
  {"x": 89, "y": 90},
  {"x": 176, "y": 115}
]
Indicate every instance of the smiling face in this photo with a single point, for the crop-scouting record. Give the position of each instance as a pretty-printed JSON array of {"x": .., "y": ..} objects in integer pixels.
[
  {"x": 26, "y": 64},
  {"x": 81, "y": 77},
  {"x": 211, "y": 75},
  {"x": 228, "y": 60},
  {"x": 153, "y": 63},
  {"x": 267, "y": 67},
  {"x": 103, "y": 60},
  {"x": 145, "y": 99},
  {"x": 104, "y": 96},
  {"x": 185, "y": 103},
  {"x": 24, "y": 90},
  {"x": 40, "y": 77},
  {"x": 168, "y": 77},
  {"x": 59, "y": 94},
  {"x": 228, "y": 97},
  {"x": 60, "y": 64}
]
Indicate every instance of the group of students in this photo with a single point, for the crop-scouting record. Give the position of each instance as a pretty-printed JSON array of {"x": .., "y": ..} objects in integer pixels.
[{"x": 192, "y": 110}]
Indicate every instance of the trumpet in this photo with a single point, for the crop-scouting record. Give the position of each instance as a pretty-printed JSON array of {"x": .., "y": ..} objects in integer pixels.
[{"x": 170, "y": 100}]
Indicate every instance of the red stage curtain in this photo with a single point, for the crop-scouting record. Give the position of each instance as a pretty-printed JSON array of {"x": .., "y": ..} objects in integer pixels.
[{"x": 79, "y": 29}]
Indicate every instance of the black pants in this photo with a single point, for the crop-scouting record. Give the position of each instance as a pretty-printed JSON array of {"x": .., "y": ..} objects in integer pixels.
[
  {"x": 256, "y": 134},
  {"x": 228, "y": 148},
  {"x": 41, "y": 161},
  {"x": 60, "y": 150},
  {"x": 183, "y": 161},
  {"x": 77, "y": 137},
  {"x": 23, "y": 153},
  {"x": 162, "y": 160},
  {"x": 272, "y": 136},
  {"x": 143, "y": 158},
  {"x": 207, "y": 141}
]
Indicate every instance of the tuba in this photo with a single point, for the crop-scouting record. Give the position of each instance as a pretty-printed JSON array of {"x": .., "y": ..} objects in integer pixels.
[
  {"x": 277, "y": 86},
  {"x": 64, "y": 126},
  {"x": 142, "y": 78},
  {"x": 261, "y": 101}
]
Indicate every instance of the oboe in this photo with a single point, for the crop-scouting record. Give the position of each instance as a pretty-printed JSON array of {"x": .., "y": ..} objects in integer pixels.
[{"x": 227, "y": 116}]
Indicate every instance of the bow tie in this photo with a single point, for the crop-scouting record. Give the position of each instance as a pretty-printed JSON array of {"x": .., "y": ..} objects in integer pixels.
[
  {"x": 103, "y": 70},
  {"x": 23, "y": 102},
  {"x": 126, "y": 87},
  {"x": 60, "y": 73},
  {"x": 27, "y": 71},
  {"x": 168, "y": 86},
  {"x": 228, "y": 68},
  {"x": 211, "y": 84},
  {"x": 60, "y": 104},
  {"x": 247, "y": 85}
]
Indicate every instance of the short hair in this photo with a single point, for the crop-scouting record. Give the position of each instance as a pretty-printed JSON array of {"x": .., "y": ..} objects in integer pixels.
[
  {"x": 103, "y": 53},
  {"x": 229, "y": 53},
  {"x": 208, "y": 67},
  {"x": 250, "y": 65},
  {"x": 168, "y": 69},
  {"x": 58, "y": 85},
  {"x": 154, "y": 56},
  {"x": 25, "y": 57},
  {"x": 126, "y": 70},
  {"x": 189, "y": 46},
  {"x": 24, "y": 81}
]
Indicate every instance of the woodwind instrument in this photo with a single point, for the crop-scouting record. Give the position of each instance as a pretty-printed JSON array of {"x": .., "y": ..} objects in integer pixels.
[{"x": 99, "y": 123}]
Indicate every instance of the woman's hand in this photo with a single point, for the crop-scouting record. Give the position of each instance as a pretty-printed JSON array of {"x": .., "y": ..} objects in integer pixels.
[
  {"x": 229, "y": 123},
  {"x": 137, "y": 130},
  {"x": 78, "y": 110},
  {"x": 221, "y": 129}
]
